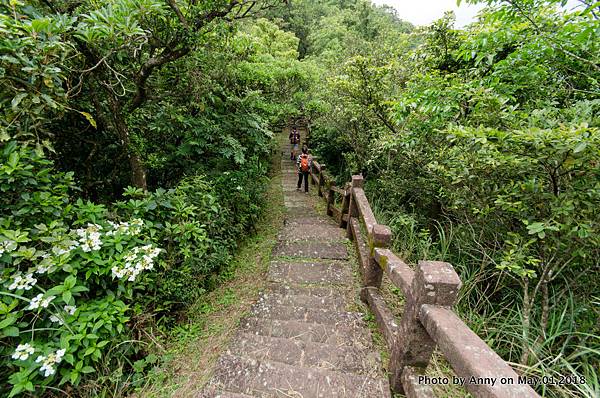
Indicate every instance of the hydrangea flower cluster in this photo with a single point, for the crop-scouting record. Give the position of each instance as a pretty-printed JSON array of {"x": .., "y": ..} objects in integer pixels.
[
  {"x": 70, "y": 309},
  {"x": 23, "y": 351},
  {"x": 23, "y": 282},
  {"x": 49, "y": 361},
  {"x": 136, "y": 261},
  {"x": 89, "y": 237},
  {"x": 38, "y": 301},
  {"x": 46, "y": 265},
  {"x": 65, "y": 247},
  {"x": 132, "y": 228},
  {"x": 7, "y": 246}
]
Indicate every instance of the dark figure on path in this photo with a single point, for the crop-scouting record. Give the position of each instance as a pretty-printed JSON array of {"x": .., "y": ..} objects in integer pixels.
[
  {"x": 304, "y": 164},
  {"x": 294, "y": 142}
]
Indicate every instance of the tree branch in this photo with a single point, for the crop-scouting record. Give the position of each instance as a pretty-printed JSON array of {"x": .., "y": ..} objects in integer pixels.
[{"x": 177, "y": 12}]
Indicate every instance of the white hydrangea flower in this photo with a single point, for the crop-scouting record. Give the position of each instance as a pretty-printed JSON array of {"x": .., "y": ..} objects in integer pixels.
[
  {"x": 89, "y": 238},
  {"x": 7, "y": 246},
  {"x": 132, "y": 227},
  {"x": 56, "y": 319},
  {"x": 137, "y": 260},
  {"x": 23, "y": 282},
  {"x": 46, "y": 302},
  {"x": 70, "y": 309},
  {"x": 38, "y": 301},
  {"x": 46, "y": 265},
  {"x": 35, "y": 302},
  {"x": 48, "y": 362},
  {"x": 23, "y": 351}
]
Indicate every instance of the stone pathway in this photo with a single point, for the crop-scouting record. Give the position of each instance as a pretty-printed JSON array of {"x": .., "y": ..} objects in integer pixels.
[{"x": 301, "y": 340}]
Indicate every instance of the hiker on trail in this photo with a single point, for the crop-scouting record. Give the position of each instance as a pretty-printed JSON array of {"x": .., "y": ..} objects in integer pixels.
[
  {"x": 304, "y": 164},
  {"x": 294, "y": 142}
]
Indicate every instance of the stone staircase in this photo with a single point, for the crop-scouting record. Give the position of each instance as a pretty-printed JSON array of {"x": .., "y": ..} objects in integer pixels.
[{"x": 302, "y": 339}]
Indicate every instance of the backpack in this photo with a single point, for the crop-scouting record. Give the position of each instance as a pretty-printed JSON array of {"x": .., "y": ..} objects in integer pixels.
[{"x": 304, "y": 163}]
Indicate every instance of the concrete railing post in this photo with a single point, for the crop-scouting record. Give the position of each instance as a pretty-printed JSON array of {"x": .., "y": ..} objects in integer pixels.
[
  {"x": 437, "y": 283},
  {"x": 345, "y": 205},
  {"x": 321, "y": 180},
  {"x": 330, "y": 199},
  {"x": 379, "y": 236},
  {"x": 357, "y": 182}
]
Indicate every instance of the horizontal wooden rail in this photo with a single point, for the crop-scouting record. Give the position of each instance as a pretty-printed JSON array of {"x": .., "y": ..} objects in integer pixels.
[
  {"x": 485, "y": 374},
  {"x": 338, "y": 190},
  {"x": 430, "y": 290},
  {"x": 397, "y": 270}
]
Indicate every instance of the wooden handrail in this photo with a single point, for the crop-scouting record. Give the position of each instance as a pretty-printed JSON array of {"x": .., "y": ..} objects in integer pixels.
[
  {"x": 484, "y": 372},
  {"x": 397, "y": 270},
  {"x": 427, "y": 322}
]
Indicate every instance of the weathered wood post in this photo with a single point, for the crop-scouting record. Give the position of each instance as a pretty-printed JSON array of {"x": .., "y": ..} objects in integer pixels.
[
  {"x": 436, "y": 283},
  {"x": 379, "y": 236},
  {"x": 357, "y": 182},
  {"x": 345, "y": 205},
  {"x": 321, "y": 180},
  {"x": 330, "y": 199}
]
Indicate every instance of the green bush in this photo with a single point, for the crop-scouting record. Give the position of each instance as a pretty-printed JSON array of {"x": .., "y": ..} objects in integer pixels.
[{"x": 75, "y": 274}]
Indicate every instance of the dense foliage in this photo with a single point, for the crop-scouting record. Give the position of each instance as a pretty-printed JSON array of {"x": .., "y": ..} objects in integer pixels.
[
  {"x": 481, "y": 146},
  {"x": 135, "y": 138}
]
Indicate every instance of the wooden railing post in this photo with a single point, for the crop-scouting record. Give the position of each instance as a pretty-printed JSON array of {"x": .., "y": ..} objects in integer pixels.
[
  {"x": 345, "y": 205},
  {"x": 321, "y": 180},
  {"x": 437, "y": 283},
  {"x": 330, "y": 199},
  {"x": 380, "y": 236},
  {"x": 357, "y": 182}
]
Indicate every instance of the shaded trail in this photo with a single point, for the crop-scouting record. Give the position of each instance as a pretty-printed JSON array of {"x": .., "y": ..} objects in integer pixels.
[{"x": 301, "y": 339}]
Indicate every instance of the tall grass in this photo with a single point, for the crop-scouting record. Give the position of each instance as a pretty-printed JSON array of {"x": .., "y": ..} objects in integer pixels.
[{"x": 492, "y": 306}]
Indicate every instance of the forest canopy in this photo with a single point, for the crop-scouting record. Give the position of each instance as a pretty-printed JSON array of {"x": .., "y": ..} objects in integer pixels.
[{"x": 136, "y": 140}]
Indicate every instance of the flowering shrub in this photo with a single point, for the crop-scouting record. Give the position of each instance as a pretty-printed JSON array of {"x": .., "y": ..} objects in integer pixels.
[
  {"x": 70, "y": 270},
  {"x": 67, "y": 274}
]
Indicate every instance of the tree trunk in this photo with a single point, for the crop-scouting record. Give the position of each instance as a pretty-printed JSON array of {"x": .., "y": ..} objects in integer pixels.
[
  {"x": 138, "y": 172},
  {"x": 527, "y": 303}
]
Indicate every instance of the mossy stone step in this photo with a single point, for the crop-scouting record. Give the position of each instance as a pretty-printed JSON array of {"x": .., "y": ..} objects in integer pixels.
[
  {"x": 348, "y": 358},
  {"x": 325, "y": 232},
  {"x": 310, "y": 272},
  {"x": 265, "y": 308},
  {"x": 270, "y": 379},
  {"x": 310, "y": 301},
  {"x": 311, "y": 249},
  {"x": 336, "y": 334},
  {"x": 222, "y": 394}
]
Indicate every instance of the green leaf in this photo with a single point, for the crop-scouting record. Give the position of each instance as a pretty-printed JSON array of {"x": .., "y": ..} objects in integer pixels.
[
  {"x": 89, "y": 118},
  {"x": 8, "y": 321},
  {"x": 11, "y": 331},
  {"x": 66, "y": 296},
  {"x": 17, "y": 100},
  {"x": 580, "y": 147}
]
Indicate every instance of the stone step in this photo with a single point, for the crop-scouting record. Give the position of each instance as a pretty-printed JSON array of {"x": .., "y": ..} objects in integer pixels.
[
  {"x": 266, "y": 308},
  {"x": 344, "y": 358},
  {"x": 308, "y": 331},
  {"x": 325, "y": 232},
  {"x": 334, "y": 291},
  {"x": 311, "y": 249},
  {"x": 291, "y": 221},
  {"x": 216, "y": 393},
  {"x": 309, "y": 301},
  {"x": 269, "y": 379},
  {"x": 310, "y": 272}
]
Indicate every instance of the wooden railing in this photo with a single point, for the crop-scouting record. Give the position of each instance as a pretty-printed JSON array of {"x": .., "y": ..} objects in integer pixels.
[{"x": 428, "y": 321}]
